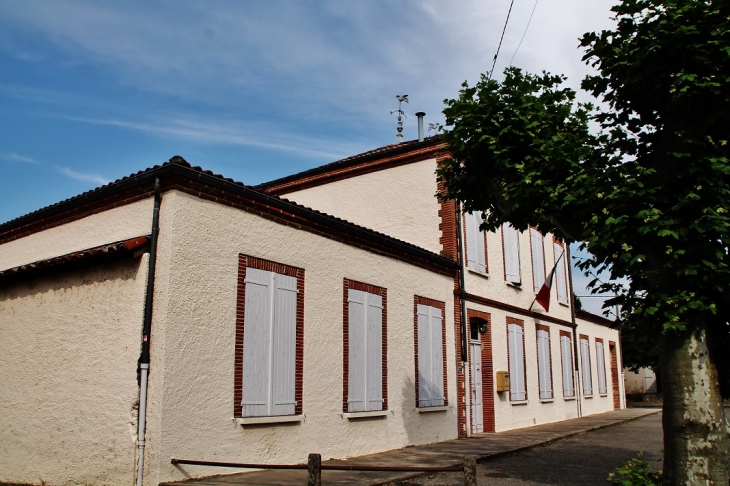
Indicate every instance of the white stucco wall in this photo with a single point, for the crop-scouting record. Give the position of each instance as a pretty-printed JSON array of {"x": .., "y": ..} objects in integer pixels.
[
  {"x": 641, "y": 382},
  {"x": 398, "y": 201},
  {"x": 534, "y": 411},
  {"x": 121, "y": 223},
  {"x": 192, "y": 371},
  {"x": 69, "y": 345},
  {"x": 494, "y": 286}
]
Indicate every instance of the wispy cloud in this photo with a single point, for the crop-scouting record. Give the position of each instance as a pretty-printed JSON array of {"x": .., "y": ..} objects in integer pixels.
[
  {"x": 255, "y": 134},
  {"x": 80, "y": 176},
  {"x": 19, "y": 158}
]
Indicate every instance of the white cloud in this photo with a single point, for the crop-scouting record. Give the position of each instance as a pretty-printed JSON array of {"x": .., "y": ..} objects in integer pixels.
[
  {"x": 80, "y": 176},
  {"x": 19, "y": 158}
]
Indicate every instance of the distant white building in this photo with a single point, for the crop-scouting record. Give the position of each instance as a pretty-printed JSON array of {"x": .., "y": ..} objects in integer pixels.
[{"x": 337, "y": 323}]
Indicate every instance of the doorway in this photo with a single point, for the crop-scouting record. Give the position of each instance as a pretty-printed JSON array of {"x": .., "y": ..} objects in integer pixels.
[{"x": 481, "y": 372}]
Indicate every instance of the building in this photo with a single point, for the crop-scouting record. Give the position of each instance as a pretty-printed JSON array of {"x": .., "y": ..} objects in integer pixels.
[{"x": 273, "y": 329}]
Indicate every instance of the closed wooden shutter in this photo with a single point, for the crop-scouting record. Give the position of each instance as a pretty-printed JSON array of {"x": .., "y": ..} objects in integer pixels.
[
  {"x": 374, "y": 338},
  {"x": 543, "y": 361},
  {"x": 425, "y": 370},
  {"x": 475, "y": 251},
  {"x": 560, "y": 273},
  {"x": 585, "y": 361},
  {"x": 601, "y": 365},
  {"x": 437, "y": 358},
  {"x": 284, "y": 345},
  {"x": 538, "y": 259},
  {"x": 257, "y": 343},
  {"x": 511, "y": 254},
  {"x": 566, "y": 354},
  {"x": 357, "y": 350},
  {"x": 516, "y": 362}
]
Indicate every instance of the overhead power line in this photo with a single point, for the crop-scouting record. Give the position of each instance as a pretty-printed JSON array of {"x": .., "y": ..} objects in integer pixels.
[
  {"x": 494, "y": 63},
  {"x": 523, "y": 34}
]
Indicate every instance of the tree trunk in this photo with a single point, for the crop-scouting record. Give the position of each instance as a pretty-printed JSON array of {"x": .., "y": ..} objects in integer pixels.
[{"x": 696, "y": 443}]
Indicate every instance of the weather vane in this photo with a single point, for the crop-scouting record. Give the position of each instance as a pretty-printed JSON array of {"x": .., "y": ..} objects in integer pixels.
[
  {"x": 401, "y": 114},
  {"x": 435, "y": 127}
]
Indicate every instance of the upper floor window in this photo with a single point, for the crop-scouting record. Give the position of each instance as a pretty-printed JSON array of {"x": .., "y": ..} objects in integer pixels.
[
  {"x": 538, "y": 259},
  {"x": 511, "y": 243},
  {"x": 558, "y": 251},
  {"x": 476, "y": 254}
]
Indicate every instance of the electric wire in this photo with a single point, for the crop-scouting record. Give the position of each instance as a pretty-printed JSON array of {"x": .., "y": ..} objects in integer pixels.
[
  {"x": 525, "y": 32},
  {"x": 494, "y": 63}
]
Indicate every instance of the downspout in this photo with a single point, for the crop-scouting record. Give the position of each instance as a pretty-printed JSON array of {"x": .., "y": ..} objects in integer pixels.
[
  {"x": 464, "y": 340},
  {"x": 144, "y": 359},
  {"x": 576, "y": 376}
]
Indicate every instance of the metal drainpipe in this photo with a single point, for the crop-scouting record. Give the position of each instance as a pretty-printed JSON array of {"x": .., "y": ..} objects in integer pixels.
[
  {"x": 576, "y": 380},
  {"x": 144, "y": 359},
  {"x": 464, "y": 339}
]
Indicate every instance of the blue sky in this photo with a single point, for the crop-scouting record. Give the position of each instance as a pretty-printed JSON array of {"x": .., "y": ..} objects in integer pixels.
[{"x": 93, "y": 91}]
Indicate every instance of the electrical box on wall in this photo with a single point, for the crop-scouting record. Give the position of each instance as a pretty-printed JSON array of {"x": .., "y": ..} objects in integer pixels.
[{"x": 502, "y": 381}]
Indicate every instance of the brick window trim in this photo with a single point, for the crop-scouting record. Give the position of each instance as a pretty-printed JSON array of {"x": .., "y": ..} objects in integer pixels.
[
  {"x": 512, "y": 320},
  {"x": 488, "y": 419},
  {"x": 466, "y": 246},
  {"x": 572, "y": 364},
  {"x": 438, "y": 305},
  {"x": 542, "y": 327},
  {"x": 244, "y": 262},
  {"x": 371, "y": 289}
]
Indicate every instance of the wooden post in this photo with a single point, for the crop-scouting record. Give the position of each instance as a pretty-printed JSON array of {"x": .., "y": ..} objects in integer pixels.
[
  {"x": 314, "y": 468},
  {"x": 470, "y": 471}
]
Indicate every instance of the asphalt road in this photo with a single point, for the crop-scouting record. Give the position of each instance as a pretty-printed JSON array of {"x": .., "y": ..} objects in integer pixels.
[{"x": 579, "y": 460}]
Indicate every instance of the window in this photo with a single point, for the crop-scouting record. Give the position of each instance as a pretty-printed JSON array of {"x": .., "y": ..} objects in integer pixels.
[
  {"x": 430, "y": 341},
  {"x": 601, "y": 365},
  {"x": 516, "y": 351},
  {"x": 511, "y": 242},
  {"x": 558, "y": 250},
  {"x": 476, "y": 255},
  {"x": 585, "y": 360},
  {"x": 365, "y": 373},
  {"x": 269, "y": 339},
  {"x": 566, "y": 354},
  {"x": 538, "y": 259},
  {"x": 544, "y": 368}
]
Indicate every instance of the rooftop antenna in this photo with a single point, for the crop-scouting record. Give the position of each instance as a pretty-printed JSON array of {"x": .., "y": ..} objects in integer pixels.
[{"x": 401, "y": 114}]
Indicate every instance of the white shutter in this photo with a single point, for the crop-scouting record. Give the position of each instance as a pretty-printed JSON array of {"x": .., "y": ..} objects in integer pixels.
[
  {"x": 374, "y": 339},
  {"x": 538, "y": 259},
  {"x": 437, "y": 358},
  {"x": 516, "y": 363},
  {"x": 601, "y": 365},
  {"x": 566, "y": 353},
  {"x": 560, "y": 273},
  {"x": 475, "y": 252},
  {"x": 284, "y": 345},
  {"x": 257, "y": 343},
  {"x": 543, "y": 361},
  {"x": 585, "y": 361},
  {"x": 511, "y": 254},
  {"x": 356, "y": 303},
  {"x": 424, "y": 356}
]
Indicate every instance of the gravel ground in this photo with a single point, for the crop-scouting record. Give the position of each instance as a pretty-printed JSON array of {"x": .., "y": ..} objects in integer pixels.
[{"x": 580, "y": 460}]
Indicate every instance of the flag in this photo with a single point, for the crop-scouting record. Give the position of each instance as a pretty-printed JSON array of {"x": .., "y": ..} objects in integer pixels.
[{"x": 543, "y": 296}]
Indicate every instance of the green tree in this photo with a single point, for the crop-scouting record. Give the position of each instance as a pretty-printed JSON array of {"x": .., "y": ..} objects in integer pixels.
[{"x": 648, "y": 195}]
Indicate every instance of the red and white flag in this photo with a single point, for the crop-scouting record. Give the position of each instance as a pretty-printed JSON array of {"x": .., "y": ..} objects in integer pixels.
[{"x": 543, "y": 296}]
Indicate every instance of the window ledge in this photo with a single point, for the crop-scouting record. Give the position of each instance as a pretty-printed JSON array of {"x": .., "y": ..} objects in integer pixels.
[
  {"x": 357, "y": 415},
  {"x": 442, "y": 408},
  {"x": 564, "y": 304},
  {"x": 518, "y": 286},
  {"x": 588, "y": 396},
  {"x": 273, "y": 419},
  {"x": 519, "y": 402},
  {"x": 547, "y": 400},
  {"x": 568, "y": 399},
  {"x": 477, "y": 272},
  {"x": 603, "y": 394}
]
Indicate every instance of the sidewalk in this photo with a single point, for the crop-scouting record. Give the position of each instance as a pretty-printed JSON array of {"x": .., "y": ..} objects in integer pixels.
[{"x": 446, "y": 453}]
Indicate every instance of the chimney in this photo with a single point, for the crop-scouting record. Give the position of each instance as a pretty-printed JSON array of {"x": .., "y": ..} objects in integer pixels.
[{"x": 420, "y": 116}]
